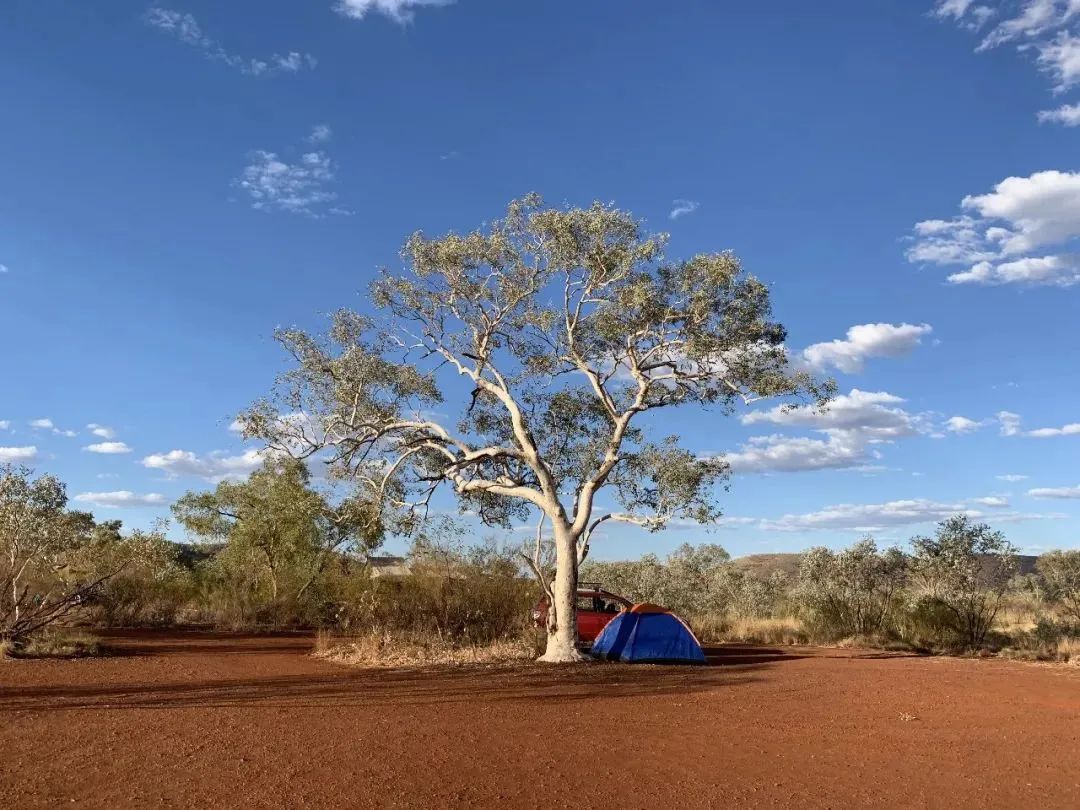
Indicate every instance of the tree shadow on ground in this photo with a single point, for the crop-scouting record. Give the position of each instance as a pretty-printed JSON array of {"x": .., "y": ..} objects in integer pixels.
[
  {"x": 332, "y": 686},
  {"x": 323, "y": 685},
  {"x": 728, "y": 655},
  {"x": 736, "y": 654},
  {"x": 374, "y": 688},
  {"x": 119, "y": 643}
]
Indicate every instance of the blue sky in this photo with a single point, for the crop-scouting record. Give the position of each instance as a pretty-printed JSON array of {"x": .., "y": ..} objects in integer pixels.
[{"x": 178, "y": 180}]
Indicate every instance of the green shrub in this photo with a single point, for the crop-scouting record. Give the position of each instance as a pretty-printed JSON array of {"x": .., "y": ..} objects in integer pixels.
[
  {"x": 851, "y": 592},
  {"x": 1060, "y": 572},
  {"x": 455, "y": 592},
  {"x": 925, "y": 623},
  {"x": 961, "y": 576},
  {"x": 151, "y": 586}
]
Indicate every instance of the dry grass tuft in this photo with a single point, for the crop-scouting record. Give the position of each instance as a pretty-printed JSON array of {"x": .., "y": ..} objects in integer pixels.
[
  {"x": 873, "y": 642},
  {"x": 1064, "y": 650},
  {"x": 787, "y": 630},
  {"x": 385, "y": 649},
  {"x": 1068, "y": 650},
  {"x": 1015, "y": 619},
  {"x": 60, "y": 643}
]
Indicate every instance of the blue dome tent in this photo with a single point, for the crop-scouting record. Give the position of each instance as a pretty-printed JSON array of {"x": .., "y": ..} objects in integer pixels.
[{"x": 648, "y": 633}]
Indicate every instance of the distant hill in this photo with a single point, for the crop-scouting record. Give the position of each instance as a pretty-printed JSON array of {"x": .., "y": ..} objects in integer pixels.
[
  {"x": 763, "y": 565},
  {"x": 1027, "y": 563}
]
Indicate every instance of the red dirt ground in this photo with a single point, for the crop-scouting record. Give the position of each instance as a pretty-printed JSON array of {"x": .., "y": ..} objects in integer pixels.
[{"x": 217, "y": 720}]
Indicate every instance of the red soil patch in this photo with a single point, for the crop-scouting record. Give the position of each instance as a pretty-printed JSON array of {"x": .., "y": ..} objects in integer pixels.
[{"x": 199, "y": 720}]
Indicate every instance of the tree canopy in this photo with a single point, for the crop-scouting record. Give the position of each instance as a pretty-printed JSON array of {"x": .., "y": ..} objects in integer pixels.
[
  {"x": 565, "y": 325},
  {"x": 52, "y": 560}
]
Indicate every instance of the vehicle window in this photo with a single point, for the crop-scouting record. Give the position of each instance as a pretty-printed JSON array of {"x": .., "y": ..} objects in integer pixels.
[{"x": 587, "y": 603}]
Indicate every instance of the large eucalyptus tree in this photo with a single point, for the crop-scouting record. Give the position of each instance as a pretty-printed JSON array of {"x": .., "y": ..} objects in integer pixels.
[{"x": 566, "y": 327}]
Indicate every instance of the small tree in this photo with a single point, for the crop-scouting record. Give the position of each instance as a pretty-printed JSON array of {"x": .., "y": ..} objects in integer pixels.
[
  {"x": 278, "y": 528},
  {"x": 565, "y": 326},
  {"x": 152, "y": 584},
  {"x": 964, "y": 569},
  {"x": 750, "y": 596},
  {"x": 41, "y": 580},
  {"x": 1060, "y": 572},
  {"x": 850, "y": 592}
]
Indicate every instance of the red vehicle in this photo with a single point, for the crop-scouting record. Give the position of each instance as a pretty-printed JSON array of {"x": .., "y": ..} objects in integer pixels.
[{"x": 595, "y": 608}]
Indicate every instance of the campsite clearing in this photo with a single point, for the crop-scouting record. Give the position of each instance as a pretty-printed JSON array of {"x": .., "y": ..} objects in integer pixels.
[{"x": 213, "y": 720}]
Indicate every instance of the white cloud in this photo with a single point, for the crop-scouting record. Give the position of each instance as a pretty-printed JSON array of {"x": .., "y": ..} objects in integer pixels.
[
  {"x": 967, "y": 13},
  {"x": 1060, "y": 59},
  {"x": 1009, "y": 423},
  {"x": 13, "y": 454},
  {"x": 299, "y": 188},
  {"x": 1062, "y": 493},
  {"x": 867, "y": 517},
  {"x": 993, "y": 501},
  {"x": 5, "y": 424},
  {"x": 852, "y": 423},
  {"x": 1046, "y": 433},
  {"x": 1010, "y": 426},
  {"x": 961, "y": 424},
  {"x": 878, "y": 516},
  {"x": 1067, "y": 115},
  {"x": 680, "y": 208},
  {"x": 1036, "y": 17},
  {"x": 1059, "y": 271},
  {"x": 1022, "y": 215},
  {"x": 4, "y": 268},
  {"x": 213, "y": 467},
  {"x": 120, "y": 498},
  {"x": 1011, "y": 477},
  {"x": 864, "y": 341},
  {"x": 108, "y": 448},
  {"x": 955, "y": 9},
  {"x": 778, "y": 453},
  {"x": 1046, "y": 27},
  {"x": 47, "y": 424},
  {"x": 293, "y": 61},
  {"x": 866, "y": 412},
  {"x": 400, "y": 11},
  {"x": 101, "y": 431},
  {"x": 320, "y": 133},
  {"x": 186, "y": 29},
  {"x": 952, "y": 241}
]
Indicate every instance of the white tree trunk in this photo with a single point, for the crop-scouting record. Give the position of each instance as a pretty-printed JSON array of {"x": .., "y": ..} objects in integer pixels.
[{"x": 562, "y": 613}]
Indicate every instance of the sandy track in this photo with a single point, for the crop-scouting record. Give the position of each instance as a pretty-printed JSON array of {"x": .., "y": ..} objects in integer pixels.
[{"x": 215, "y": 720}]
